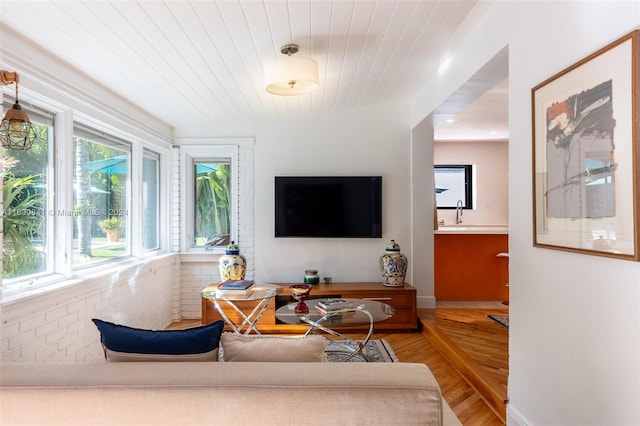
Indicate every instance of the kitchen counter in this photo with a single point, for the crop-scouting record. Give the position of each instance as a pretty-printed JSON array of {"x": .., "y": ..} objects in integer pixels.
[{"x": 472, "y": 229}]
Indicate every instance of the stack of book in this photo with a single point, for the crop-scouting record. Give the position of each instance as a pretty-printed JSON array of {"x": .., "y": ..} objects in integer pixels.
[
  {"x": 235, "y": 288},
  {"x": 333, "y": 305}
]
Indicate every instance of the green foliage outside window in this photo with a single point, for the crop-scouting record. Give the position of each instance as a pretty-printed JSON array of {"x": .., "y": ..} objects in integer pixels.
[
  {"x": 24, "y": 221},
  {"x": 22, "y": 226},
  {"x": 213, "y": 203}
]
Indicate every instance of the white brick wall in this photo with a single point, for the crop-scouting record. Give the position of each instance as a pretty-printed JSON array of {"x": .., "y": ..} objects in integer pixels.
[
  {"x": 175, "y": 200},
  {"x": 195, "y": 276},
  {"x": 246, "y": 212},
  {"x": 56, "y": 326}
]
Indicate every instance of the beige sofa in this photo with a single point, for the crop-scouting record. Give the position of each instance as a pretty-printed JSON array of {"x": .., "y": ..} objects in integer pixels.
[{"x": 217, "y": 393}]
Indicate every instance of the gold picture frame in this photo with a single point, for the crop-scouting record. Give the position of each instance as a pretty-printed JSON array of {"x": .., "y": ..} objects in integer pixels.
[{"x": 585, "y": 154}]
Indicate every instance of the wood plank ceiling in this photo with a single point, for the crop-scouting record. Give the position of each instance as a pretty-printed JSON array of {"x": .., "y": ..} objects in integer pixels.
[{"x": 194, "y": 62}]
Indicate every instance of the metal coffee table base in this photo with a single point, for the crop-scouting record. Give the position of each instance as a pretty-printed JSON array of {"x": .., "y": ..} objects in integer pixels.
[
  {"x": 318, "y": 324},
  {"x": 249, "y": 321}
]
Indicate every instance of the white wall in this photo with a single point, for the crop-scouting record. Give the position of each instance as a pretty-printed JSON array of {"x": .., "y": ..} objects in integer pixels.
[
  {"x": 422, "y": 213},
  {"x": 366, "y": 141},
  {"x": 574, "y": 352},
  {"x": 491, "y": 160}
]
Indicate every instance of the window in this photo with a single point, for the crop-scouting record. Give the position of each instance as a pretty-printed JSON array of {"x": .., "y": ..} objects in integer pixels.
[
  {"x": 454, "y": 183},
  {"x": 101, "y": 165},
  {"x": 27, "y": 240},
  {"x": 67, "y": 198},
  {"x": 150, "y": 201},
  {"x": 212, "y": 207},
  {"x": 210, "y": 199}
]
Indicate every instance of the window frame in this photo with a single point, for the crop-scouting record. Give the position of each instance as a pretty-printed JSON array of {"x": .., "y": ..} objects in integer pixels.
[
  {"x": 468, "y": 201},
  {"x": 60, "y": 172},
  {"x": 46, "y": 114},
  {"x": 189, "y": 154},
  {"x": 148, "y": 153},
  {"x": 124, "y": 144}
]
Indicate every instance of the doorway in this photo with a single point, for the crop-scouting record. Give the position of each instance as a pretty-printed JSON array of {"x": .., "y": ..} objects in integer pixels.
[{"x": 471, "y": 127}]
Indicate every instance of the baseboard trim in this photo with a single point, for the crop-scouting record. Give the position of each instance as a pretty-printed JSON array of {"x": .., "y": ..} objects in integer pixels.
[
  {"x": 426, "y": 302},
  {"x": 514, "y": 417}
]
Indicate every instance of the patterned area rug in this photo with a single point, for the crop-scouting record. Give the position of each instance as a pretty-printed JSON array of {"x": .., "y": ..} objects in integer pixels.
[
  {"x": 375, "y": 351},
  {"x": 500, "y": 319}
]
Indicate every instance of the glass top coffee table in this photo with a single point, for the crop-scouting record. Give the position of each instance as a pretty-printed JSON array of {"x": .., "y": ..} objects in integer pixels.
[{"x": 358, "y": 312}]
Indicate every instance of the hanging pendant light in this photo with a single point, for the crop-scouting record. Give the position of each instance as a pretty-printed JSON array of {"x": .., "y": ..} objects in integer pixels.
[
  {"x": 291, "y": 75},
  {"x": 16, "y": 130}
]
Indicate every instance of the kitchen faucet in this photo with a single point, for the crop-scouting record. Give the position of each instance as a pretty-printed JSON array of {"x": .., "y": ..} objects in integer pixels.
[{"x": 459, "y": 212}]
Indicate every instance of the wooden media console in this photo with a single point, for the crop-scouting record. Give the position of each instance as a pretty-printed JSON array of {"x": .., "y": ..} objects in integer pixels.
[{"x": 403, "y": 299}]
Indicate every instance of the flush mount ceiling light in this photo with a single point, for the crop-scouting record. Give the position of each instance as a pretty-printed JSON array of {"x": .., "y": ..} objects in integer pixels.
[
  {"x": 16, "y": 131},
  {"x": 291, "y": 75}
]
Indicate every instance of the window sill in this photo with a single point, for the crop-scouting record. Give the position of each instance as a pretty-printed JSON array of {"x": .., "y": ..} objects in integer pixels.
[{"x": 200, "y": 256}]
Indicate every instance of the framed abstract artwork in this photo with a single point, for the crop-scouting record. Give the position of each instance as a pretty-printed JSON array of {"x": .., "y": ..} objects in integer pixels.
[{"x": 585, "y": 154}]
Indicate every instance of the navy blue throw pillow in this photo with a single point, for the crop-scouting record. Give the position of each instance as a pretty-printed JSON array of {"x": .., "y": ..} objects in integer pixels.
[{"x": 195, "y": 340}]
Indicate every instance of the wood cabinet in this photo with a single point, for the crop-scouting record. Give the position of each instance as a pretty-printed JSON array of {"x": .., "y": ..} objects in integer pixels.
[
  {"x": 403, "y": 299},
  {"x": 467, "y": 267}
]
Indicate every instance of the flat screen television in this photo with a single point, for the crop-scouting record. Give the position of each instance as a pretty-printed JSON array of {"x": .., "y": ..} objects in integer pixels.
[{"x": 328, "y": 206}]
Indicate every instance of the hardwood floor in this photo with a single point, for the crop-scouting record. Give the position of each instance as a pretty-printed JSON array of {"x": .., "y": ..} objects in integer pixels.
[
  {"x": 466, "y": 352},
  {"x": 463, "y": 399},
  {"x": 476, "y": 347}
]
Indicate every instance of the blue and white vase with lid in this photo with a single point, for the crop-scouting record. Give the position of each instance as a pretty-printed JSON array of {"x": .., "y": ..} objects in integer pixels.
[
  {"x": 393, "y": 266},
  {"x": 232, "y": 265}
]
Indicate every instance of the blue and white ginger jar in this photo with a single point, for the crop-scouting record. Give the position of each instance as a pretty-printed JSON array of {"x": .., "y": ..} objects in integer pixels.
[
  {"x": 233, "y": 265},
  {"x": 393, "y": 266}
]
